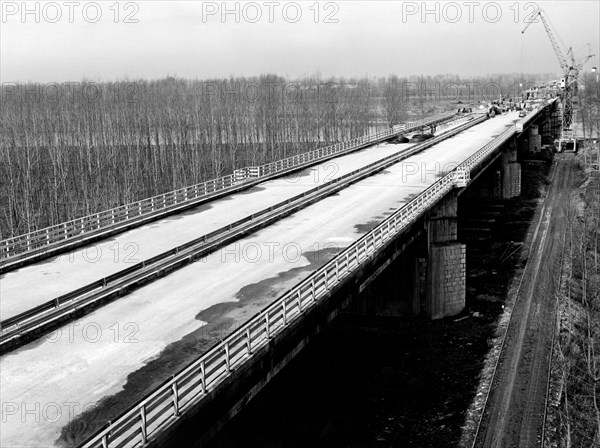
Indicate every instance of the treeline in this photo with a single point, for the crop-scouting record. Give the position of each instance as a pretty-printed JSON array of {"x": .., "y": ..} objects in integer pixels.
[
  {"x": 577, "y": 360},
  {"x": 578, "y": 344},
  {"x": 589, "y": 116},
  {"x": 71, "y": 149}
]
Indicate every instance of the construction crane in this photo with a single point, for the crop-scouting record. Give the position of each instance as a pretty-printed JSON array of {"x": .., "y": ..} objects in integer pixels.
[{"x": 568, "y": 83}]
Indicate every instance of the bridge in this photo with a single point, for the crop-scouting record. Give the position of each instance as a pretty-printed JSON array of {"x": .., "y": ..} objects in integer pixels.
[{"x": 269, "y": 254}]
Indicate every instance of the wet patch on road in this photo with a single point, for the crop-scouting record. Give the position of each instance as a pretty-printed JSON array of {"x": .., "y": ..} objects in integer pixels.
[
  {"x": 366, "y": 227},
  {"x": 292, "y": 178},
  {"x": 409, "y": 198},
  {"x": 192, "y": 211},
  {"x": 254, "y": 297},
  {"x": 250, "y": 190}
]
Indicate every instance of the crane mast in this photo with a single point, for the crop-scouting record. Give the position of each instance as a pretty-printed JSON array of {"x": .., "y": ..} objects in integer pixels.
[{"x": 568, "y": 83}]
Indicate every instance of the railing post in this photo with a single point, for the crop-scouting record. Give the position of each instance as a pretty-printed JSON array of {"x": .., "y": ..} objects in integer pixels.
[
  {"x": 175, "y": 398},
  {"x": 203, "y": 376},
  {"x": 299, "y": 300},
  {"x": 143, "y": 423},
  {"x": 105, "y": 439},
  {"x": 267, "y": 326},
  {"x": 248, "y": 341},
  {"x": 284, "y": 311},
  {"x": 227, "y": 360}
]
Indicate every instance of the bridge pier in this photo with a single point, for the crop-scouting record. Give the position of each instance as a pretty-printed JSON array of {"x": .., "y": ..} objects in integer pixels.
[
  {"x": 510, "y": 173},
  {"x": 550, "y": 124},
  {"x": 424, "y": 277},
  {"x": 446, "y": 276},
  {"x": 535, "y": 139}
]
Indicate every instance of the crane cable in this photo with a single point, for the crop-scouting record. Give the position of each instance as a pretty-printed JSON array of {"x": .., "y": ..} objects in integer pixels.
[{"x": 521, "y": 55}]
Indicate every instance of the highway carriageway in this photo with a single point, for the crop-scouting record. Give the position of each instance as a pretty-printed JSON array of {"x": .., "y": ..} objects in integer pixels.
[
  {"x": 40, "y": 244},
  {"x": 35, "y": 321},
  {"x": 168, "y": 322},
  {"x": 78, "y": 268}
]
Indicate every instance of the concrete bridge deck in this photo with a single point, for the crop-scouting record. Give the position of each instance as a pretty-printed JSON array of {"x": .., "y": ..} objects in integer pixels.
[
  {"x": 91, "y": 359},
  {"x": 20, "y": 289}
]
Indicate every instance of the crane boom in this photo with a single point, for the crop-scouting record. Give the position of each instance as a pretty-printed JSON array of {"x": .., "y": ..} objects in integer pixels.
[
  {"x": 559, "y": 54},
  {"x": 557, "y": 50},
  {"x": 579, "y": 66}
]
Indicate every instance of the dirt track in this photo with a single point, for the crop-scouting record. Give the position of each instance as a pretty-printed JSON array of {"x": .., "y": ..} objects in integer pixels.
[{"x": 514, "y": 415}]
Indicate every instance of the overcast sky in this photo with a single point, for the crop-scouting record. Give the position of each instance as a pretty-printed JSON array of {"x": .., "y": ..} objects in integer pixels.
[{"x": 152, "y": 39}]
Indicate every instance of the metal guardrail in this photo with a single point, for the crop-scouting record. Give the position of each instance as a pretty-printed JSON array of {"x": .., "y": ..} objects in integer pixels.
[
  {"x": 59, "y": 234},
  {"x": 114, "y": 284},
  {"x": 178, "y": 394}
]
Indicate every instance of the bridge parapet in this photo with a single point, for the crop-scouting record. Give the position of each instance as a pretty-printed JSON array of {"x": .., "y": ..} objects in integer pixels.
[{"x": 462, "y": 176}]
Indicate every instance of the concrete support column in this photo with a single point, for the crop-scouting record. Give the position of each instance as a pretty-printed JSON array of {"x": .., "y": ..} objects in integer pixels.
[
  {"x": 446, "y": 280},
  {"x": 547, "y": 131},
  {"x": 446, "y": 275},
  {"x": 556, "y": 118},
  {"x": 510, "y": 172},
  {"x": 535, "y": 140}
]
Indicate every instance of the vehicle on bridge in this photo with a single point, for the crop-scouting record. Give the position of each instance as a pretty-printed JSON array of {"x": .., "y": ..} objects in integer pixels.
[
  {"x": 421, "y": 137},
  {"x": 493, "y": 110},
  {"x": 399, "y": 139}
]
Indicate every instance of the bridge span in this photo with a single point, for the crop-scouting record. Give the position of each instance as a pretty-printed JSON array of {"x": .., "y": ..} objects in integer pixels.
[
  {"x": 200, "y": 342},
  {"x": 75, "y": 269}
]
